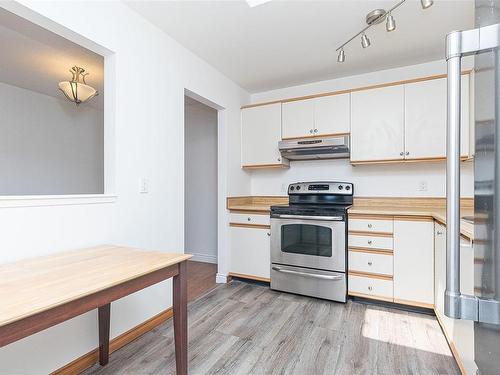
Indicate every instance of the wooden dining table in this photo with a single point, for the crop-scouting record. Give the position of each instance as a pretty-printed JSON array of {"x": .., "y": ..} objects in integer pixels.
[{"x": 40, "y": 292}]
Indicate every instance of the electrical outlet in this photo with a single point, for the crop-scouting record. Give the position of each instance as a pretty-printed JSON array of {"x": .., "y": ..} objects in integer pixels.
[
  {"x": 422, "y": 186},
  {"x": 143, "y": 186}
]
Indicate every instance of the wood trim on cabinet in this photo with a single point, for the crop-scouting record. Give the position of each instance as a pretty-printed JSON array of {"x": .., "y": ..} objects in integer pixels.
[
  {"x": 413, "y": 218},
  {"x": 249, "y": 277},
  {"x": 87, "y": 360},
  {"x": 249, "y": 212},
  {"x": 370, "y": 251},
  {"x": 369, "y": 275},
  {"x": 369, "y": 216},
  {"x": 255, "y": 226},
  {"x": 316, "y": 136},
  {"x": 347, "y": 91},
  {"x": 371, "y": 234},
  {"x": 364, "y": 249},
  {"x": 363, "y": 295},
  {"x": 453, "y": 349},
  {"x": 264, "y": 166},
  {"x": 414, "y": 303},
  {"x": 401, "y": 160}
]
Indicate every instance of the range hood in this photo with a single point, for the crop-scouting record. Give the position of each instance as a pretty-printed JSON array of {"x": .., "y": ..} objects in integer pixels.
[{"x": 315, "y": 148}]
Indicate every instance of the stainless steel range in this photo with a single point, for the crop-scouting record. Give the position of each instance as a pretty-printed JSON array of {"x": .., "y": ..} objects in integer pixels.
[{"x": 309, "y": 240}]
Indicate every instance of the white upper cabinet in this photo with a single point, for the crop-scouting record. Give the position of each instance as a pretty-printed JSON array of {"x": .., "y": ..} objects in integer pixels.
[
  {"x": 260, "y": 134},
  {"x": 425, "y": 119},
  {"x": 332, "y": 114},
  {"x": 298, "y": 119},
  {"x": 320, "y": 116},
  {"x": 377, "y": 119}
]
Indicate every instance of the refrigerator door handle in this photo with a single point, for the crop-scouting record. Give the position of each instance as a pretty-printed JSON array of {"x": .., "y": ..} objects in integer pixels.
[{"x": 458, "y": 45}]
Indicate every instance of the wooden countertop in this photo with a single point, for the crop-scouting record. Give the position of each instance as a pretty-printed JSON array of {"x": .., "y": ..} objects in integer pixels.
[
  {"x": 428, "y": 207},
  {"x": 439, "y": 214},
  {"x": 34, "y": 285}
]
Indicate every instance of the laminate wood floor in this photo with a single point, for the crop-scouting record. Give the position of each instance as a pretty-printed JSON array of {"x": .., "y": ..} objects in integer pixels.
[
  {"x": 243, "y": 328},
  {"x": 201, "y": 278}
]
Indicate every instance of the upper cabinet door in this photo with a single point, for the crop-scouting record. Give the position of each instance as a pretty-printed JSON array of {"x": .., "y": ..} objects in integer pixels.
[
  {"x": 377, "y": 121},
  {"x": 260, "y": 134},
  {"x": 332, "y": 114},
  {"x": 298, "y": 119},
  {"x": 425, "y": 119}
]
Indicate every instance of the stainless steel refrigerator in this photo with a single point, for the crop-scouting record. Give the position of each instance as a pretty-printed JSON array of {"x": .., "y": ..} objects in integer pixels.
[{"x": 484, "y": 306}]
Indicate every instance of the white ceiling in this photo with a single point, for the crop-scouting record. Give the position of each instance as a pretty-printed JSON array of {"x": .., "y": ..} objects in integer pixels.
[
  {"x": 36, "y": 59},
  {"x": 285, "y": 43}
]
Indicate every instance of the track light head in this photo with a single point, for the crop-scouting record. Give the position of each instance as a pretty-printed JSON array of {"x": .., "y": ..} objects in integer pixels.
[
  {"x": 365, "y": 42},
  {"x": 390, "y": 25},
  {"x": 341, "y": 56},
  {"x": 426, "y": 3}
]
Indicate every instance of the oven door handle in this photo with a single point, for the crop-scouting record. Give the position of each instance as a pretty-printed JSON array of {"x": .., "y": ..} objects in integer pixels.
[
  {"x": 311, "y": 275},
  {"x": 307, "y": 217}
]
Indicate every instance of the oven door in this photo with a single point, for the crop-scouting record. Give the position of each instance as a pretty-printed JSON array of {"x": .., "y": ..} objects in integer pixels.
[{"x": 309, "y": 241}]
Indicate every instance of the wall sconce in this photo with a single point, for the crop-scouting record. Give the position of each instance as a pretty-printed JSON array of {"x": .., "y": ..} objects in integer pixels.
[{"x": 77, "y": 89}]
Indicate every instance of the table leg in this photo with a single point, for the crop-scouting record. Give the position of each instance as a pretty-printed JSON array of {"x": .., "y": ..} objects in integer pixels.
[
  {"x": 104, "y": 314},
  {"x": 180, "y": 319}
]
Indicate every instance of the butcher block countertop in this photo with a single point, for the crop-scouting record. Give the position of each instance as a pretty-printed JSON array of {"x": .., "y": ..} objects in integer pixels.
[{"x": 421, "y": 207}]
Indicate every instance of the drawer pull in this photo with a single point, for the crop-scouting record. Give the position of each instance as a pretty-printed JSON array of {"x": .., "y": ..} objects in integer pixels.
[
  {"x": 268, "y": 234},
  {"x": 369, "y": 242},
  {"x": 369, "y": 225},
  {"x": 370, "y": 263},
  {"x": 370, "y": 288},
  {"x": 249, "y": 219}
]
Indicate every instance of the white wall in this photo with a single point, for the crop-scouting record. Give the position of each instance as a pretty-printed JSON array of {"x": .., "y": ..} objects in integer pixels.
[
  {"x": 49, "y": 145},
  {"x": 200, "y": 168},
  {"x": 151, "y": 72},
  {"x": 369, "y": 180}
]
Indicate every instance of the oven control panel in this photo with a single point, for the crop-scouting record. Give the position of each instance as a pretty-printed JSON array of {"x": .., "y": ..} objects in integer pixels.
[{"x": 331, "y": 188}]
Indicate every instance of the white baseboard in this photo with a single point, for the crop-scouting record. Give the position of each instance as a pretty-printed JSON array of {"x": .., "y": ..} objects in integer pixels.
[
  {"x": 204, "y": 258},
  {"x": 221, "y": 279}
]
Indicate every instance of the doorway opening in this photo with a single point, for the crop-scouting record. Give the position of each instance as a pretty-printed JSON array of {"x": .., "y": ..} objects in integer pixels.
[{"x": 200, "y": 194}]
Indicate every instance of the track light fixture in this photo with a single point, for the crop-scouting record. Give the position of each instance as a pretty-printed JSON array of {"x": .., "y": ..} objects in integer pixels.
[
  {"x": 365, "y": 42},
  {"x": 341, "y": 56},
  {"x": 374, "y": 18},
  {"x": 426, "y": 3},
  {"x": 390, "y": 25}
]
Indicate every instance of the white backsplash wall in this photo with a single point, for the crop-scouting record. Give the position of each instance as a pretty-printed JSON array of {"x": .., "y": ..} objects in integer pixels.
[
  {"x": 403, "y": 180},
  {"x": 394, "y": 180}
]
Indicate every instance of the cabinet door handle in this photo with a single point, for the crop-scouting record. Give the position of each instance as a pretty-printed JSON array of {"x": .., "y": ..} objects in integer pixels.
[
  {"x": 279, "y": 159},
  {"x": 370, "y": 288},
  {"x": 439, "y": 233},
  {"x": 315, "y": 130},
  {"x": 311, "y": 131},
  {"x": 370, "y": 263},
  {"x": 268, "y": 234},
  {"x": 369, "y": 242},
  {"x": 369, "y": 225},
  {"x": 407, "y": 153},
  {"x": 249, "y": 219},
  {"x": 401, "y": 153}
]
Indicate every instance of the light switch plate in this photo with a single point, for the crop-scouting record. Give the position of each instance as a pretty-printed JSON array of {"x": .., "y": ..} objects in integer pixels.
[{"x": 144, "y": 186}]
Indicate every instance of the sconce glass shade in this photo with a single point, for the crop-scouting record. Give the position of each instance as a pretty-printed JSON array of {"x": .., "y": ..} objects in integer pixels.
[{"x": 77, "y": 90}]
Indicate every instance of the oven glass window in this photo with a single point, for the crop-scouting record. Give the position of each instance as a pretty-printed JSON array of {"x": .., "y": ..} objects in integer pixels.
[{"x": 306, "y": 239}]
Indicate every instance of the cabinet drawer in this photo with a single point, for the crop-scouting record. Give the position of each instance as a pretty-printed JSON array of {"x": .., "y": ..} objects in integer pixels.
[
  {"x": 371, "y": 287},
  {"x": 370, "y": 242},
  {"x": 371, "y": 225},
  {"x": 249, "y": 219},
  {"x": 373, "y": 263}
]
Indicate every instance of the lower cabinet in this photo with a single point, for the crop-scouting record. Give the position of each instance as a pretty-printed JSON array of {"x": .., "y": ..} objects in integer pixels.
[
  {"x": 414, "y": 261},
  {"x": 250, "y": 252},
  {"x": 460, "y": 333}
]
